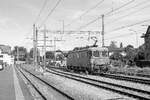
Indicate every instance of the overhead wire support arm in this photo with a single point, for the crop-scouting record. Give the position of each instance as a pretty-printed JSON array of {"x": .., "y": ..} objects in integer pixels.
[{"x": 34, "y": 43}]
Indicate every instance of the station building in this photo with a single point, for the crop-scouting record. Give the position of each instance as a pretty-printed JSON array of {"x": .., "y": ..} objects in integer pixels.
[{"x": 5, "y": 55}]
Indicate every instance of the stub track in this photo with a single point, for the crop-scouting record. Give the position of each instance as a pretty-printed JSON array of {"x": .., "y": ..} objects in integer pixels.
[
  {"x": 124, "y": 90},
  {"x": 21, "y": 70},
  {"x": 128, "y": 78}
]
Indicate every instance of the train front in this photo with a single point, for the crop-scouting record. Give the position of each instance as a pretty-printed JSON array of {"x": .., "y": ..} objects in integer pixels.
[{"x": 99, "y": 59}]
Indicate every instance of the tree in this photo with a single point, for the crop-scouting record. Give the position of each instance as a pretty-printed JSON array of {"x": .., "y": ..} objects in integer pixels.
[
  {"x": 130, "y": 54},
  {"x": 121, "y": 45},
  {"x": 113, "y": 44},
  {"x": 21, "y": 52},
  {"x": 31, "y": 54},
  {"x": 116, "y": 56},
  {"x": 140, "y": 53},
  {"x": 60, "y": 57}
]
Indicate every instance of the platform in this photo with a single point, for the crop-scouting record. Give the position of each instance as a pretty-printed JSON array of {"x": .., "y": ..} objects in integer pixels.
[{"x": 12, "y": 87}]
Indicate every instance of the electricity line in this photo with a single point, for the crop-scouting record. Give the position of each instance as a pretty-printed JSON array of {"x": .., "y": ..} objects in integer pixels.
[
  {"x": 122, "y": 27},
  {"x": 87, "y": 24},
  {"x": 81, "y": 27},
  {"x": 139, "y": 4},
  {"x": 87, "y": 11},
  {"x": 51, "y": 11},
  {"x": 126, "y": 4},
  {"x": 45, "y": 2},
  {"x": 129, "y": 14}
]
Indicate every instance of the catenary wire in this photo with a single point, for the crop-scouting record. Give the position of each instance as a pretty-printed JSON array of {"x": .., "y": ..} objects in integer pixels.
[
  {"x": 87, "y": 11},
  {"x": 41, "y": 10},
  {"x": 84, "y": 26},
  {"x": 122, "y": 27},
  {"x": 51, "y": 11},
  {"x": 129, "y": 14}
]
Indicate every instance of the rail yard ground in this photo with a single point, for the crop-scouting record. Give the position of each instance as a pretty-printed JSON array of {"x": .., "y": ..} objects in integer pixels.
[{"x": 82, "y": 91}]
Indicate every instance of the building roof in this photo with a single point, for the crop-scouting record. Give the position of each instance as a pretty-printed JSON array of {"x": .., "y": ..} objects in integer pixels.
[{"x": 147, "y": 33}]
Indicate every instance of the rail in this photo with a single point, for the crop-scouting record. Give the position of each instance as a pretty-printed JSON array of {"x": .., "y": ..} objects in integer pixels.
[{"x": 132, "y": 92}]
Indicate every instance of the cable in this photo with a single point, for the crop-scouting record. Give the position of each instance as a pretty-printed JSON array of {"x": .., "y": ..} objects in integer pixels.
[
  {"x": 130, "y": 13},
  {"x": 139, "y": 4},
  {"x": 81, "y": 27},
  {"x": 45, "y": 2},
  {"x": 52, "y": 10},
  {"x": 122, "y": 27},
  {"x": 107, "y": 14},
  {"x": 87, "y": 11}
]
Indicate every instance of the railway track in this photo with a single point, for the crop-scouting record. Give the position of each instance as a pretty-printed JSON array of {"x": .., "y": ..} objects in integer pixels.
[
  {"x": 64, "y": 95},
  {"x": 41, "y": 95},
  {"x": 143, "y": 75},
  {"x": 121, "y": 89},
  {"x": 128, "y": 78}
]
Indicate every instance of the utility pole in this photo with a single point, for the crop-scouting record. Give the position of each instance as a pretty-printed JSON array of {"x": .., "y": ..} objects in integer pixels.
[
  {"x": 34, "y": 44},
  {"x": 17, "y": 54},
  {"x": 36, "y": 51},
  {"x": 103, "y": 41},
  {"x": 45, "y": 47},
  {"x": 89, "y": 37},
  {"x": 136, "y": 36},
  {"x": 55, "y": 49},
  {"x": 63, "y": 27}
]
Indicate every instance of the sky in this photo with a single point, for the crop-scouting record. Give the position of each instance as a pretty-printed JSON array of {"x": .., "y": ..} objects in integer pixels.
[{"x": 123, "y": 25}]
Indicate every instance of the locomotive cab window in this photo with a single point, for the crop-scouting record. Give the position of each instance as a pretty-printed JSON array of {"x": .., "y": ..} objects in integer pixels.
[
  {"x": 104, "y": 53},
  {"x": 96, "y": 53}
]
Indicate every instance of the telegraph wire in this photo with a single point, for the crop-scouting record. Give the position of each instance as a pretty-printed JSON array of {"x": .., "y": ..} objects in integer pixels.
[
  {"x": 87, "y": 11},
  {"x": 51, "y": 11},
  {"x": 122, "y": 27},
  {"x": 41, "y": 10},
  {"x": 133, "y": 12},
  {"x": 126, "y": 4},
  {"x": 139, "y": 4},
  {"x": 87, "y": 24},
  {"x": 81, "y": 27}
]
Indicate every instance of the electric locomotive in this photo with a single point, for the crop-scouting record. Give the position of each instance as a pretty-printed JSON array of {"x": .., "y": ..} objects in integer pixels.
[{"x": 91, "y": 60}]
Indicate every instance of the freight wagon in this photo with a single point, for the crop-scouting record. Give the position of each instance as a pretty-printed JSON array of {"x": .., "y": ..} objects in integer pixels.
[{"x": 90, "y": 60}]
